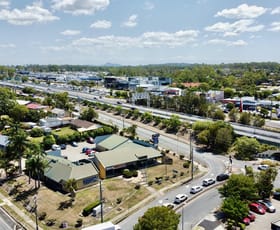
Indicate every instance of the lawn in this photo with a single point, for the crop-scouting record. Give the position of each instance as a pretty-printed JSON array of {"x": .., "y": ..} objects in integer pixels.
[{"x": 63, "y": 131}]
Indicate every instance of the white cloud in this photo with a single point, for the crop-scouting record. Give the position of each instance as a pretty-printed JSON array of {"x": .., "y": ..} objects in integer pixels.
[
  {"x": 275, "y": 27},
  {"x": 148, "y": 39},
  {"x": 102, "y": 24},
  {"x": 27, "y": 16},
  {"x": 242, "y": 11},
  {"x": 131, "y": 22},
  {"x": 149, "y": 6},
  {"x": 78, "y": 7},
  {"x": 226, "y": 42},
  {"x": 70, "y": 32},
  {"x": 8, "y": 45},
  {"x": 276, "y": 10},
  {"x": 235, "y": 28},
  {"x": 4, "y": 3}
]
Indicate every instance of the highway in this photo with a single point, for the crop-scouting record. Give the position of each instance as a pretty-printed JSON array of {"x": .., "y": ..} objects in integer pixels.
[
  {"x": 243, "y": 130},
  {"x": 6, "y": 222}
]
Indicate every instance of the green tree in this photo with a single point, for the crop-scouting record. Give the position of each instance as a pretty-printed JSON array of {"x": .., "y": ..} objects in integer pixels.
[
  {"x": 158, "y": 218},
  {"x": 233, "y": 114},
  {"x": 18, "y": 144},
  {"x": 265, "y": 181},
  {"x": 173, "y": 123},
  {"x": 71, "y": 186},
  {"x": 48, "y": 141},
  {"x": 36, "y": 163},
  {"x": 245, "y": 118},
  {"x": 235, "y": 209},
  {"x": 246, "y": 148},
  {"x": 89, "y": 114},
  {"x": 240, "y": 187},
  {"x": 223, "y": 140}
]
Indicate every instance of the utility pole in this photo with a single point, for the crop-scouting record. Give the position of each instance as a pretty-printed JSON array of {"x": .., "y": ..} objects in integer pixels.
[
  {"x": 191, "y": 155},
  {"x": 101, "y": 200}
]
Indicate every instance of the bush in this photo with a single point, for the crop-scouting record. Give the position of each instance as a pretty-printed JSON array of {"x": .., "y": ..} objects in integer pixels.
[
  {"x": 186, "y": 164},
  {"x": 36, "y": 132},
  {"x": 138, "y": 186},
  {"x": 88, "y": 209},
  {"x": 127, "y": 173},
  {"x": 79, "y": 223},
  {"x": 119, "y": 200},
  {"x": 150, "y": 182},
  {"x": 182, "y": 157},
  {"x": 134, "y": 173},
  {"x": 182, "y": 173},
  {"x": 42, "y": 215}
]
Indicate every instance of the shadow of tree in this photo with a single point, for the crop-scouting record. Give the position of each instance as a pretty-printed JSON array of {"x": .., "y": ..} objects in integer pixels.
[
  {"x": 65, "y": 204},
  {"x": 23, "y": 195}
]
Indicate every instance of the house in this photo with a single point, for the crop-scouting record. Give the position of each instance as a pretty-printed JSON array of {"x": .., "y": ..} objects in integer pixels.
[
  {"x": 82, "y": 125},
  {"x": 60, "y": 170},
  {"x": 4, "y": 141},
  {"x": 122, "y": 153},
  {"x": 52, "y": 122},
  {"x": 35, "y": 106},
  {"x": 58, "y": 112}
]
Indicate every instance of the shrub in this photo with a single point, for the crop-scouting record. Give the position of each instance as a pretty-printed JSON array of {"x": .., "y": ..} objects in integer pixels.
[
  {"x": 79, "y": 223},
  {"x": 119, "y": 200},
  {"x": 88, "y": 209},
  {"x": 138, "y": 186},
  {"x": 42, "y": 215},
  {"x": 36, "y": 132},
  {"x": 182, "y": 157},
  {"x": 127, "y": 173},
  {"x": 186, "y": 164},
  {"x": 134, "y": 173},
  {"x": 150, "y": 182},
  {"x": 182, "y": 173}
]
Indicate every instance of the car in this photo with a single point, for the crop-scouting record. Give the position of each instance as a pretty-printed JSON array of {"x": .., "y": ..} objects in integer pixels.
[
  {"x": 222, "y": 176},
  {"x": 168, "y": 205},
  {"x": 251, "y": 216},
  {"x": 63, "y": 146},
  {"x": 208, "y": 181},
  {"x": 180, "y": 198},
  {"x": 257, "y": 208},
  {"x": 276, "y": 195},
  {"x": 92, "y": 154},
  {"x": 196, "y": 189},
  {"x": 90, "y": 140},
  {"x": 74, "y": 144},
  {"x": 55, "y": 147},
  {"x": 267, "y": 205},
  {"x": 263, "y": 167},
  {"x": 84, "y": 149},
  {"x": 246, "y": 220}
]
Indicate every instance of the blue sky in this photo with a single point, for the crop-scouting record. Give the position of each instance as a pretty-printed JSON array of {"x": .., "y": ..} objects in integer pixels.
[{"x": 136, "y": 32}]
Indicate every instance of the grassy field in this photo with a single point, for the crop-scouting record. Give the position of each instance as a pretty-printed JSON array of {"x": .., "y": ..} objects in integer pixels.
[
  {"x": 63, "y": 131},
  {"x": 120, "y": 195}
]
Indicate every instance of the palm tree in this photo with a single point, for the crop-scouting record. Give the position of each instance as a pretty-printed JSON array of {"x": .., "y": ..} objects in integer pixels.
[
  {"x": 36, "y": 164},
  {"x": 18, "y": 144},
  {"x": 71, "y": 186}
]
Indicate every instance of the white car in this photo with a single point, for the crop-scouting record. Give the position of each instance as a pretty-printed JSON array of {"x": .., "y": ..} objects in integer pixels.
[
  {"x": 208, "y": 181},
  {"x": 55, "y": 147},
  {"x": 263, "y": 167},
  {"x": 180, "y": 198},
  {"x": 168, "y": 205},
  {"x": 196, "y": 189}
]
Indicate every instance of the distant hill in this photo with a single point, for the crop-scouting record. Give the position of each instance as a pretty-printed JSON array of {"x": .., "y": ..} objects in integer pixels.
[{"x": 111, "y": 65}]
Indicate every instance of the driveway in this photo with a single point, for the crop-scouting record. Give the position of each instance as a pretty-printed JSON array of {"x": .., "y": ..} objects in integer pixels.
[{"x": 75, "y": 153}]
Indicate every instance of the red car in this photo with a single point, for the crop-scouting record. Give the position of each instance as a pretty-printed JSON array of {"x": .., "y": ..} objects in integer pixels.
[
  {"x": 246, "y": 220},
  {"x": 251, "y": 216},
  {"x": 257, "y": 208}
]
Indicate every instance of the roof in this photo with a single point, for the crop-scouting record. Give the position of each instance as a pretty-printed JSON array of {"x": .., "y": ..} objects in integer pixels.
[
  {"x": 60, "y": 169},
  {"x": 110, "y": 142},
  {"x": 126, "y": 153},
  {"x": 22, "y": 102},
  {"x": 58, "y": 111},
  {"x": 4, "y": 140},
  {"x": 105, "y": 225},
  {"x": 81, "y": 123},
  {"x": 35, "y": 106}
]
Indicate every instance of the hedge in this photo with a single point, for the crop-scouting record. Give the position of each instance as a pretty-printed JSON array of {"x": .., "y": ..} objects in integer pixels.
[{"x": 88, "y": 209}]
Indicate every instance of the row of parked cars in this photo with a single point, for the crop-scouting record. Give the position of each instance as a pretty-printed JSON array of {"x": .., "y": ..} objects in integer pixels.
[{"x": 197, "y": 188}]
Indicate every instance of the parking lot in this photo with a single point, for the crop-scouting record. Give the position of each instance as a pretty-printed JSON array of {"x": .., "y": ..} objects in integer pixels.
[
  {"x": 263, "y": 222},
  {"x": 75, "y": 153}
]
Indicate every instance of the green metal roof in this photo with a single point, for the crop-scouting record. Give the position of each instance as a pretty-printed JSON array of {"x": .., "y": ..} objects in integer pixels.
[
  {"x": 110, "y": 141},
  {"x": 126, "y": 153}
]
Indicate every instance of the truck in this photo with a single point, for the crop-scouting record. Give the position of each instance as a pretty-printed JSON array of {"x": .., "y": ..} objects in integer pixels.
[
  {"x": 103, "y": 226},
  {"x": 275, "y": 225}
]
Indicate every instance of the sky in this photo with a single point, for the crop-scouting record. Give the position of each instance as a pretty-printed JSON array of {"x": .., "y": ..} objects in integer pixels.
[{"x": 138, "y": 32}]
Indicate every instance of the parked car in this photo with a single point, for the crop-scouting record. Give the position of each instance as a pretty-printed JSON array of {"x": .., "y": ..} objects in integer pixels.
[
  {"x": 84, "y": 149},
  {"x": 251, "y": 216},
  {"x": 208, "y": 181},
  {"x": 263, "y": 167},
  {"x": 74, "y": 144},
  {"x": 180, "y": 198},
  {"x": 257, "y": 208},
  {"x": 90, "y": 140},
  {"x": 63, "y": 146},
  {"x": 267, "y": 205},
  {"x": 55, "y": 147},
  {"x": 246, "y": 220},
  {"x": 196, "y": 189},
  {"x": 276, "y": 195},
  {"x": 168, "y": 205},
  {"x": 223, "y": 176}
]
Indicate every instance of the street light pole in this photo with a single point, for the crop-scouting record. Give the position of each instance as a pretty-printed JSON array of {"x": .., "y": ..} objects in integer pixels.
[
  {"x": 191, "y": 155},
  {"x": 101, "y": 200}
]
